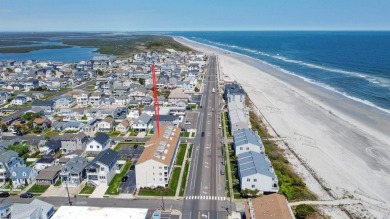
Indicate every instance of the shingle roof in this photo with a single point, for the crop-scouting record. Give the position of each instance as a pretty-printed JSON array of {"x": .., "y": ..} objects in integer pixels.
[
  {"x": 106, "y": 157},
  {"x": 49, "y": 173},
  {"x": 6, "y": 156},
  {"x": 101, "y": 138},
  {"x": 19, "y": 172},
  {"x": 76, "y": 164},
  {"x": 246, "y": 136},
  {"x": 252, "y": 163}
]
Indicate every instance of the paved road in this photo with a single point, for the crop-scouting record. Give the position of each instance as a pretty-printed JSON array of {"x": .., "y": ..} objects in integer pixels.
[{"x": 205, "y": 191}]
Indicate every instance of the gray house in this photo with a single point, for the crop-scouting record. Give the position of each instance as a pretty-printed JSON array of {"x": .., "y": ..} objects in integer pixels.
[
  {"x": 8, "y": 161},
  {"x": 46, "y": 105},
  {"x": 3, "y": 97},
  {"x": 102, "y": 169},
  {"x": 73, "y": 172},
  {"x": 73, "y": 142}
]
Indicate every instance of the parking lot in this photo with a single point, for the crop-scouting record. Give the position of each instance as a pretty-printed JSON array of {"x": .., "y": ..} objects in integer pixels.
[{"x": 133, "y": 152}]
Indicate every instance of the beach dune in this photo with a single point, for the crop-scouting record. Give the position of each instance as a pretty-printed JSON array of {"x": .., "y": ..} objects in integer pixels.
[{"x": 346, "y": 143}]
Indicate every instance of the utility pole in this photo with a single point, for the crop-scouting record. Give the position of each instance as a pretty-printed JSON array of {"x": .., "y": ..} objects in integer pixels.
[
  {"x": 67, "y": 190},
  {"x": 162, "y": 199}
]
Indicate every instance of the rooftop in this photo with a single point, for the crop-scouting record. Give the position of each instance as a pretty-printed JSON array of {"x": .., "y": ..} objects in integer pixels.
[{"x": 161, "y": 148}]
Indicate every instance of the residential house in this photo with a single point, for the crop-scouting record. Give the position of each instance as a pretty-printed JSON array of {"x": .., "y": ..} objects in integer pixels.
[
  {"x": 49, "y": 176},
  {"x": 178, "y": 95},
  {"x": 273, "y": 206},
  {"x": 123, "y": 127},
  {"x": 255, "y": 172},
  {"x": 247, "y": 140},
  {"x": 64, "y": 101},
  {"x": 155, "y": 165},
  {"x": 82, "y": 99},
  {"x": 49, "y": 146},
  {"x": 99, "y": 143},
  {"x": 166, "y": 119},
  {"x": 142, "y": 123},
  {"x": 139, "y": 93},
  {"x": 103, "y": 167},
  {"x": 46, "y": 105},
  {"x": 21, "y": 176},
  {"x": 238, "y": 114},
  {"x": 73, "y": 142},
  {"x": 19, "y": 100},
  {"x": 8, "y": 161},
  {"x": 95, "y": 99},
  {"x": 42, "y": 122},
  {"x": 4, "y": 96},
  {"x": 43, "y": 163},
  {"x": 106, "y": 125},
  {"x": 73, "y": 172}
]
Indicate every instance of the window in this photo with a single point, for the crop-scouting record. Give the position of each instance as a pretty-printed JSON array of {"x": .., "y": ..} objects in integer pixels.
[
  {"x": 160, "y": 174},
  {"x": 101, "y": 168},
  {"x": 97, "y": 147},
  {"x": 160, "y": 179},
  {"x": 160, "y": 168},
  {"x": 165, "y": 168},
  {"x": 247, "y": 148},
  {"x": 102, "y": 177},
  {"x": 254, "y": 180},
  {"x": 253, "y": 186},
  {"x": 248, "y": 180},
  {"x": 91, "y": 146},
  {"x": 240, "y": 148}
]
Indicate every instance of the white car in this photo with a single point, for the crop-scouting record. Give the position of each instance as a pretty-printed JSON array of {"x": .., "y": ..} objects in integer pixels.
[{"x": 187, "y": 122}]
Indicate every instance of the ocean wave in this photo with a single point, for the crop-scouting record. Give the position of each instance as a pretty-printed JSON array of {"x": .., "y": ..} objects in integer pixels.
[
  {"x": 308, "y": 80},
  {"x": 378, "y": 81}
]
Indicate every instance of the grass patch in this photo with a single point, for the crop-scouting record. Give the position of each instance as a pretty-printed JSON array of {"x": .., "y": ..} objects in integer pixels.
[
  {"x": 180, "y": 154},
  {"x": 161, "y": 191},
  {"x": 184, "y": 134},
  {"x": 38, "y": 188},
  {"x": 184, "y": 180},
  {"x": 88, "y": 189},
  {"x": 305, "y": 211},
  {"x": 193, "y": 135},
  {"x": 71, "y": 132},
  {"x": 51, "y": 134},
  {"x": 58, "y": 183},
  {"x": 116, "y": 181},
  {"x": 29, "y": 163},
  {"x": 189, "y": 154},
  {"x": 290, "y": 184}
]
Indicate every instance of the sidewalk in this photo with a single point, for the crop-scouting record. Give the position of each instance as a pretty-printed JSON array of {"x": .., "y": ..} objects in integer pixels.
[{"x": 182, "y": 171}]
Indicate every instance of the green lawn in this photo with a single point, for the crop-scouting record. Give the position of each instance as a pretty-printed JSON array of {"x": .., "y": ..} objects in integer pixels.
[
  {"x": 159, "y": 191},
  {"x": 51, "y": 133},
  {"x": 38, "y": 188},
  {"x": 29, "y": 163},
  {"x": 70, "y": 132},
  {"x": 190, "y": 151},
  {"x": 184, "y": 134},
  {"x": 87, "y": 189},
  {"x": 58, "y": 183},
  {"x": 180, "y": 154},
  {"x": 116, "y": 181},
  {"x": 183, "y": 181}
]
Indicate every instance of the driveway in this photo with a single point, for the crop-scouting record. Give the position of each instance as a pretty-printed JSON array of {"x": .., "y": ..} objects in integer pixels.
[
  {"x": 61, "y": 191},
  {"x": 129, "y": 186},
  {"x": 130, "y": 152}
]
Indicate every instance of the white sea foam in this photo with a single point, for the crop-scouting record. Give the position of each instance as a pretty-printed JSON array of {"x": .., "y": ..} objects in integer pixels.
[
  {"x": 328, "y": 87},
  {"x": 378, "y": 81}
]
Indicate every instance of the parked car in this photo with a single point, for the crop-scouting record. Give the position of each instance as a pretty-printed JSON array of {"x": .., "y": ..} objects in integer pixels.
[
  {"x": 4, "y": 194},
  {"x": 187, "y": 123},
  {"x": 222, "y": 172},
  {"x": 132, "y": 167},
  {"x": 129, "y": 139},
  {"x": 135, "y": 146},
  {"x": 124, "y": 179},
  {"x": 202, "y": 134},
  {"x": 26, "y": 195}
]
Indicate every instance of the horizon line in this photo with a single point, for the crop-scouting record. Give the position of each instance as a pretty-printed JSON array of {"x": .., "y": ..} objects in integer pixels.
[{"x": 127, "y": 31}]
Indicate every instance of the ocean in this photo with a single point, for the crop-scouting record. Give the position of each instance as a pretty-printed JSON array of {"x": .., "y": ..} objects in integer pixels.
[{"x": 354, "y": 64}]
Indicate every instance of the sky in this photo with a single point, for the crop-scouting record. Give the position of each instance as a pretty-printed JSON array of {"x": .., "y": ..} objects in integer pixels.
[{"x": 191, "y": 15}]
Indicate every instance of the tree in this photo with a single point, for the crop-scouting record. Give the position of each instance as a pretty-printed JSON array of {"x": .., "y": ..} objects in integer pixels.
[
  {"x": 196, "y": 89},
  {"x": 100, "y": 72},
  {"x": 141, "y": 81},
  {"x": 19, "y": 148},
  {"x": 4, "y": 127},
  {"x": 84, "y": 117}
]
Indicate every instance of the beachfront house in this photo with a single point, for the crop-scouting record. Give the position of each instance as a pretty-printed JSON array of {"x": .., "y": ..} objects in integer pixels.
[
  {"x": 247, "y": 140},
  {"x": 255, "y": 172}
]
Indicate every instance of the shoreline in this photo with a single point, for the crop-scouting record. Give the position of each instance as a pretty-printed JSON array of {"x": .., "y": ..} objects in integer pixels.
[{"x": 342, "y": 140}]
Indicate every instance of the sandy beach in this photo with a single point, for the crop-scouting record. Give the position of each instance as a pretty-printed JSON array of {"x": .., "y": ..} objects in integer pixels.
[{"x": 345, "y": 143}]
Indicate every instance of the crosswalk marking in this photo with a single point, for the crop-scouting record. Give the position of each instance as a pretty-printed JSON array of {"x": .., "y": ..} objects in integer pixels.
[{"x": 216, "y": 198}]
